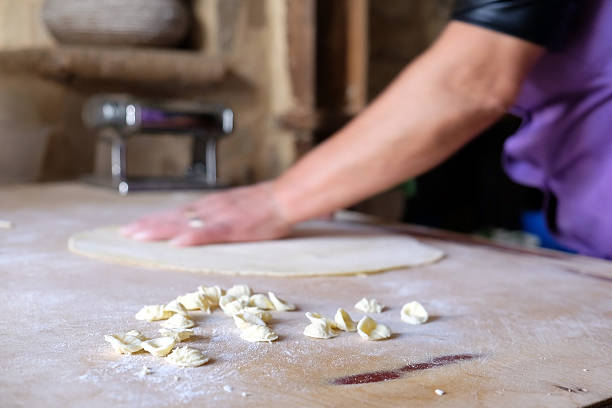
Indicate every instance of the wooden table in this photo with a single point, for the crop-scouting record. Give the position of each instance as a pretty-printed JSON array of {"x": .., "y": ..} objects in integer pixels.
[{"x": 509, "y": 327}]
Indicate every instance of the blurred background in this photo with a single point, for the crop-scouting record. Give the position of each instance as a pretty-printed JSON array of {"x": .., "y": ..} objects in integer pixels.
[{"x": 293, "y": 71}]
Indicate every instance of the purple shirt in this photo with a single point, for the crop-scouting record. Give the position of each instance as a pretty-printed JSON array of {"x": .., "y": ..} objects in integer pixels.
[{"x": 564, "y": 146}]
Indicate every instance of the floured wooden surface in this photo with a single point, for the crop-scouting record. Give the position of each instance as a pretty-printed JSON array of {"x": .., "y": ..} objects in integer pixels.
[
  {"x": 535, "y": 324},
  {"x": 316, "y": 248}
]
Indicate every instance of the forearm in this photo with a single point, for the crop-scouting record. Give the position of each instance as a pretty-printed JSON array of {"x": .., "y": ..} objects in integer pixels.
[
  {"x": 431, "y": 110},
  {"x": 396, "y": 138}
]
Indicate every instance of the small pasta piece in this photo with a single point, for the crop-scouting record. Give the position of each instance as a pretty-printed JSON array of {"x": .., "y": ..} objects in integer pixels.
[
  {"x": 160, "y": 346},
  {"x": 178, "y": 322},
  {"x": 279, "y": 304},
  {"x": 369, "y": 306},
  {"x": 176, "y": 307},
  {"x": 344, "y": 322},
  {"x": 317, "y": 317},
  {"x": 187, "y": 357},
  {"x": 261, "y": 301},
  {"x": 262, "y": 314},
  {"x": 195, "y": 301},
  {"x": 225, "y": 299},
  {"x": 231, "y": 307},
  {"x": 153, "y": 312},
  {"x": 369, "y": 329},
  {"x": 320, "y": 327},
  {"x": 319, "y": 330},
  {"x": 255, "y": 333},
  {"x": 414, "y": 313},
  {"x": 137, "y": 334},
  {"x": 126, "y": 344},
  {"x": 245, "y": 319},
  {"x": 212, "y": 293},
  {"x": 177, "y": 334},
  {"x": 238, "y": 291}
]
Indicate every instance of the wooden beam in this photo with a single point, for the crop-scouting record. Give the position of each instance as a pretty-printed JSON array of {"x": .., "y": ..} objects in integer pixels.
[
  {"x": 138, "y": 66},
  {"x": 357, "y": 56},
  {"x": 328, "y": 57},
  {"x": 301, "y": 32}
]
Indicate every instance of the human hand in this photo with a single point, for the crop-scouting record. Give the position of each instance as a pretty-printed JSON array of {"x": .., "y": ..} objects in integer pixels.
[{"x": 241, "y": 214}]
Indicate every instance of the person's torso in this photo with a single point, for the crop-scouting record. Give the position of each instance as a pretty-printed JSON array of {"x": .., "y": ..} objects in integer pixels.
[{"x": 564, "y": 145}]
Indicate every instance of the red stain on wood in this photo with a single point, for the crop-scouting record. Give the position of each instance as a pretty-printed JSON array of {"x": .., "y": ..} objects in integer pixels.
[{"x": 379, "y": 376}]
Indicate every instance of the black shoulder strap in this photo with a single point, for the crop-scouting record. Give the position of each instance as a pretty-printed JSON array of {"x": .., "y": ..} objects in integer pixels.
[{"x": 543, "y": 22}]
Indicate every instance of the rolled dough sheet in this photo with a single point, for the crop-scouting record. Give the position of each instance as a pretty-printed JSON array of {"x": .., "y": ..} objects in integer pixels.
[{"x": 316, "y": 248}]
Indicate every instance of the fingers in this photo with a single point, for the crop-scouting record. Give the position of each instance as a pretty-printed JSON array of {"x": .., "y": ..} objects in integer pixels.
[
  {"x": 131, "y": 228},
  {"x": 181, "y": 222},
  {"x": 156, "y": 227},
  {"x": 183, "y": 227},
  {"x": 157, "y": 232},
  {"x": 212, "y": 234},
  {"x": 245, "y": 214}
]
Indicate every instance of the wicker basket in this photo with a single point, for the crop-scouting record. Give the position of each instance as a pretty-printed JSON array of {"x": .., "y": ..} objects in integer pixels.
[{"x": 118, "y": 22}]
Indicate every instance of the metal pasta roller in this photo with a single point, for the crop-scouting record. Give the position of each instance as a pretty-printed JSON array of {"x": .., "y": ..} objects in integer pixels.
[{"x": 126, "y": 116}]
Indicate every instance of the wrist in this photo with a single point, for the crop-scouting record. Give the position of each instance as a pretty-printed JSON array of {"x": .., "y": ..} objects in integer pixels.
[{"x": 282, "y": 201}]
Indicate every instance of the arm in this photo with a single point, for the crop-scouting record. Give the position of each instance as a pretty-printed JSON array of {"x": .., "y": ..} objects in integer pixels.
[
  {"x": 461, "y": 85},
  {"x": 456, "y": 89}
]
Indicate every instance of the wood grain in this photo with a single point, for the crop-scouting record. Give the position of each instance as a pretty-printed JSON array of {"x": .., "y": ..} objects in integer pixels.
[{"x": 538, "y": 334}]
